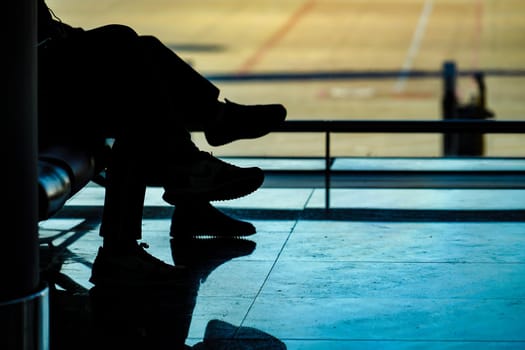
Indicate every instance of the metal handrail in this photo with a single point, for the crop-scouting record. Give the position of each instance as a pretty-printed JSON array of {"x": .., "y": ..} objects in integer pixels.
[
  {"x": 475, "y": 126},
  {"x": 404, "y": 126}
]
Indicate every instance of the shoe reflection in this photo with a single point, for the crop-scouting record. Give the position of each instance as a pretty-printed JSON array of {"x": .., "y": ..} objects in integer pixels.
[
  {"x": 220, "y": 335},
  {"x": 159, "y": 317}
]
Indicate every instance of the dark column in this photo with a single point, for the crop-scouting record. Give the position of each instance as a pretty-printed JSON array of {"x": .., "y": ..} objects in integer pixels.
[{"x": 23, "y": 300}]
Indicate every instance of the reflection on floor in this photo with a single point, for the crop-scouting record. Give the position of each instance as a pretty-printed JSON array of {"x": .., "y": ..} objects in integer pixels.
[{"x": 384, "y": 269}]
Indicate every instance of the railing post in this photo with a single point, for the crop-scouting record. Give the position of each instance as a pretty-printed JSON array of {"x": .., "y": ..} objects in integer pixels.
[
  {"x": 327, "y": 170},
  {"x": 449, "y": 106}
]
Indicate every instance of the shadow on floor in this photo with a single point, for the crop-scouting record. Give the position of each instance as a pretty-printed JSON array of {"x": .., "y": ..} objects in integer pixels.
[{"x": 147, "y": 317}]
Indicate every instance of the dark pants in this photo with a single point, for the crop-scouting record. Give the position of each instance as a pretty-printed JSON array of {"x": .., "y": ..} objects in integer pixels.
[{"x": 110, "y": 82}]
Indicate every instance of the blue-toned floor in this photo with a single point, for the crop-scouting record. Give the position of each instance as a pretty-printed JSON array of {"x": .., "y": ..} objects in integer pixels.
[{"x": 385, "y": 269}]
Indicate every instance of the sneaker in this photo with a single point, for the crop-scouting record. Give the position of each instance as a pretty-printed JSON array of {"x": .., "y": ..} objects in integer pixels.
[
  {"x": 206, "y": 220},
  {"x": 222, "y": 335},
  {"x": 201, "y": 256},
  {"x": 134, "y": 268},
  {"x": 207, "y": 178},
  {"x": 244, "y": 122}
]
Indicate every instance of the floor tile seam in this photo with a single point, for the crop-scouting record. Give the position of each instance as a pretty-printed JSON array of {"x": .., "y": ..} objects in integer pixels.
[
  {"x": 400, "y": 340},
  {"x": 289, "y": 340},
  {"x": 272, "y": 267},
  {"x": 397, "y": 298},
  {"x": 254, "y": 261},
  {"x": 401, "y": 262},
  {"x": 308, "y": 200},
  {"x": 217, "y": 296}
]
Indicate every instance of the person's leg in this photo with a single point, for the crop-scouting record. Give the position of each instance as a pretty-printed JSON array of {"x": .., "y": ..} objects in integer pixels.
[
  {"x": 105, "y": 83},
  {"x": 195, "y": 99},
  {"x": 125, "y": 191},
  {"x": 121, "y": 260}
]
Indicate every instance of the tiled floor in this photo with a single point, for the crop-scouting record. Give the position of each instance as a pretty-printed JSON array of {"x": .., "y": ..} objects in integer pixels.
[{"x": 385, "y": 269}]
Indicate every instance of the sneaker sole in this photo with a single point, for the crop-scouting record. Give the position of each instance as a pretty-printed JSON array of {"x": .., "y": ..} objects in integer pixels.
[
  {"x": 185, "y": 233},
  {"x": 227, "y": 191}
]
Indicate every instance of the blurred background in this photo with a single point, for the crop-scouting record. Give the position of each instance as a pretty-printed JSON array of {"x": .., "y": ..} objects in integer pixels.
[{"x": 338, "y": 59}]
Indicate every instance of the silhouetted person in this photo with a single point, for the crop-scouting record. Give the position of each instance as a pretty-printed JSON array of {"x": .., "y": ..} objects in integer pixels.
[{"x": 110, "y": 82}]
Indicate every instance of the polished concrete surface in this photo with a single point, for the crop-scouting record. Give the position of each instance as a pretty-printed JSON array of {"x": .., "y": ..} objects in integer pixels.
[{"x": 398, "y": 268}]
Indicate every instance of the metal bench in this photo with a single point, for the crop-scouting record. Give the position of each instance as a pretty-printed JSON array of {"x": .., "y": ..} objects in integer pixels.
[{"x": 63, "y": 170}]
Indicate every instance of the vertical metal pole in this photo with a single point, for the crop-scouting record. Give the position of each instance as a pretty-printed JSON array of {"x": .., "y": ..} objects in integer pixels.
[
  {"x": 449, "y": 105},
  {"x": 23, "y": 300},
  {"x": 327, "y": 171}
]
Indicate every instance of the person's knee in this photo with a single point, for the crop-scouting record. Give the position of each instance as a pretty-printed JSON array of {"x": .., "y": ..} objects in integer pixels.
[
  {"x": 119, "y": 31},
  {"x": 150, "y": 41}
]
